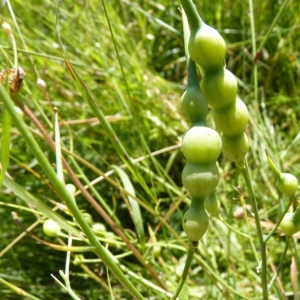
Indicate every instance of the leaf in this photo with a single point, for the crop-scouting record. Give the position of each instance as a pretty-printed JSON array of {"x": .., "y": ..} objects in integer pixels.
[{"x": 134, "y": 208}]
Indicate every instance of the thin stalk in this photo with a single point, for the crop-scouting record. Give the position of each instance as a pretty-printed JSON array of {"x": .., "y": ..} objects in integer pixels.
[
  {"x": 64, "y": 194},
  {"x": 18, "y": 290},
  {"x": 287, "y": 243},
  {"x": 67, "y": 271},
  {"x": 253, "y": 39},
  {"x": 248, "y": 228},
  {"x": 18, "y": 238},
  {"x": 233, "y": 229},
  {"x": 191, "y": 65},
  {"x": 11, "y": 11},
  {"x": 267, "y": 35},
  {"x": 193, "y": 17},
  {"x": 119, "y": 60},
  {"x": 263, "y": 274},
  {"x": 5, "y": 143},
  {"x": 59, "y": 165},
  {"x": 190, "y": 254},
  {"x": 12, "y": 38},
  {"x": 296, "y": 267},
  {"x": 274, "y": 169}
]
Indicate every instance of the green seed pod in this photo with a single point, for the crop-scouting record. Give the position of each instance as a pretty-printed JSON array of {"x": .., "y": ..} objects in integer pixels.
[
  {"x": 287, "y": 184},
  {"x": 200, "y": 180},
  {"x": 71, "y": 188},
  {"x": 219, "y": 87},
  {"x": 98, "y": 228},
  {"x": 88, "y": 218},
  {"x": 51, "y": 228},
  {"x": 201, "y": 145},
  {"x": 235, "y": 148},
  {"x": 195, "y": 220},
  {"x": 290, "y": 223},
  {"x": 194, "y": 105},
  {"x": 19, "y": 111},
  {"x": 156, "y": 250},
  {"x": 232, "y": 119},
  {"x": 212, "y": 204},
  {"x": 207, "y": 47}
]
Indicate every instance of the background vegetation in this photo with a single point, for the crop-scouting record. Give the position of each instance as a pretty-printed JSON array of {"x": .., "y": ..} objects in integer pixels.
[{"x": 138, "y": 89}]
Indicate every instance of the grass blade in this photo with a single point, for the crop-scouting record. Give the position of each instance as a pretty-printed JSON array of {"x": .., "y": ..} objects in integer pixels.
[
  {"x": 5, "y": 142},
  {"x": 134, "y": 207}
]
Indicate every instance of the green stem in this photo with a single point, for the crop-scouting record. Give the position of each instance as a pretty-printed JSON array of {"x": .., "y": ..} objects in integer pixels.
[
  {"x": 246, "y": 175},
  {"x": 253, "y": 39},
  {"x": 296, "y": 267},
  {"x": 193, "y": 17},
  {"x": 17, "y": 290},
  {"x": 232, "y": 228},
  {"x": 191, "y": 250},
  {"x": 66, "y": 275},
  {"x": 192, "y": 73},
  {"x": 5, "y": 143},
  {"x": 274, "y": 169},
  {"x": 64, "y": 194},
  {"x": 248, "y": 228},
  {"x": 191, "y": 65},
  {"x": 287, "y": 243}
]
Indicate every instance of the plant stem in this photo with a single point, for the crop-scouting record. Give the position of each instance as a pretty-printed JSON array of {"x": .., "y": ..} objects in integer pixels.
[
  {"x": 249, "y": 229},
  {"x": 18, "y": 290},
  {"x": 191, "y": 65},
  {"x": 193, "y": 17},
  {"x": 247, "y": 178},
  {"x": 274, "y": 169},
  {"x": 5, "y": 143},
  {"x": 191, "y": 250},
  {"x": 253, "y": 39},
  {"x": 287, "y": 243},
  {"x": 232, "y": 228},
  {"x": 296, "y": 268}
]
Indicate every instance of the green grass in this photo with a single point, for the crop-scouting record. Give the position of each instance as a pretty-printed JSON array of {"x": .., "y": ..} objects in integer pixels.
[{"x": 136, "y": 78}]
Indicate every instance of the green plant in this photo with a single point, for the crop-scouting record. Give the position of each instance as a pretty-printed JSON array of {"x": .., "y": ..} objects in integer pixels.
[
  {"x": 51, "y": 228},
  {"x": 206, "y": 46},
  {"x": 135, "y": 76},
  {"x": 286, "y": 183},
  {"x": 194, "y": 105},
  {"x": 235, "y": 147},
  {"x": 232, "y": 119},
  {"x": 201, "y": 145},
  {"x": 220, "y": 87},
  {"x": 212, "y": 204},
  {"x": 290, "y": 223}
]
